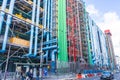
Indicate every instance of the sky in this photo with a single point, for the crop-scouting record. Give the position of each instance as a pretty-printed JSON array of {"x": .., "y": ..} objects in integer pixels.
[{"x": 106, "y": 14}]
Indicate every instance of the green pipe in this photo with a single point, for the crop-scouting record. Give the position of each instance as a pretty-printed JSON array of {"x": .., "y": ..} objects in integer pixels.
[{"x": 62, "y": 37}]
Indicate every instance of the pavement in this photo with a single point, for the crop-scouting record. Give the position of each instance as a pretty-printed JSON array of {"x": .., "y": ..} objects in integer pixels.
[
  {"x": 116, "y": 77},
  {"x": 60, "y": 77},
  {"x": 73, "y": 77}
]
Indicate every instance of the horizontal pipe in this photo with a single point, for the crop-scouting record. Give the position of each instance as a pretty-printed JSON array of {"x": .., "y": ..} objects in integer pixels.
[
  {"x": 50, "y": 41},
  {"x": 46, "y": 48},
  {"x": 52, "y": 56},
  {"x": 50, "y": 47}
]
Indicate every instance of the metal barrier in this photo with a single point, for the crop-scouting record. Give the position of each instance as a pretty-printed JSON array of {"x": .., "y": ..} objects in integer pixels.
[
  {"x": 75, "y": 67},
  {"x": 62, "y": 68},
  {"x": 9, "y": 76}
]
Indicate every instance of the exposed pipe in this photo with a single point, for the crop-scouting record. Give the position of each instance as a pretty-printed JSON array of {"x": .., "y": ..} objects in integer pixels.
[
  {"x": 44, "y": 49},
  {"x": 50, "y": 47},
  {"x": 51, "y": 19},
  {"x": 45, "y": 14},
  {"x": 32, "y": 27},
  {"x": 53, "y": 63},
  {"x": 53, "y": 54},
  {"x": 48, "y": 25},
  {"x": 2, "y": 13},
  {"x": 50, "y": 42},
  {"x": 7, "y": 25},
  {"x": 36, "y": 29}
]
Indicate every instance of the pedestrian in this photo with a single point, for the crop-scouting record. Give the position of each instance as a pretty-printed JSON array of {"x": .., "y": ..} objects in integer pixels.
[
  {"x": 37, "y": 75},
  {"x": 31, "y": 75}
]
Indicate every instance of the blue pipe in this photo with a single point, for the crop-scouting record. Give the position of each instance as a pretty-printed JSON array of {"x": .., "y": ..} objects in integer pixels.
[
  {"x": 50, "y": 47},
  {"x": 45, "y": 14},
  {"x": 44, "y": 49},
  {"x": 36, "y": 29},
  {"x": 2, "y": 13},
  {"x": 48, "y": 24},
  {"x": 32, "y": 28},
  {"x": 50, "y": 42},
  {"x": 51, "y": 19},
  {"x": 53, "y": 54},
  {"x": 7, "y": 25},
  {"x": 53, "y": 63}
]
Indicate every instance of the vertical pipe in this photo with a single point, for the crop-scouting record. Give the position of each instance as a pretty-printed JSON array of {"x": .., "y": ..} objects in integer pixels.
[
  {"x": 44, "y": 24},
  {"x": 48, "y": 24},
  {"x": 51, "y": 19},
  {"x": 8, "y": 24},
  {"x": 36, "y": 29},
  {"x": 53, "y": 63},
  {"x": 32, "y": 27},
  {"x": 53, "y": 55},
  {"x": 2, "y": 13},
  {"x": 45, "y": 13}
]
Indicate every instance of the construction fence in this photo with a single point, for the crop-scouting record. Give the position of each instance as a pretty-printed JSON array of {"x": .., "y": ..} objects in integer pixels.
[{"x": 76, "y": 67}]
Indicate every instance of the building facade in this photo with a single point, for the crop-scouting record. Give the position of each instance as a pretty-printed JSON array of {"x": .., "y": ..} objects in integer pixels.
[
  {"x": 110, "y": 49},
  {"x": 52, "y": 31}
]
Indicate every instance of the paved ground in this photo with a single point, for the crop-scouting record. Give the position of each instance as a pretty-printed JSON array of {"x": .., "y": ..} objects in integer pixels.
[
  {"x": 72, "y": 77},
  {"x": 116, "y": 76},
  {"x": 60, "y": 77}
]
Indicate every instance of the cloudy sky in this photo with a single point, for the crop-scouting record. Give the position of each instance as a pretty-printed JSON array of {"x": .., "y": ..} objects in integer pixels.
[{"x": 106, "y": 13}]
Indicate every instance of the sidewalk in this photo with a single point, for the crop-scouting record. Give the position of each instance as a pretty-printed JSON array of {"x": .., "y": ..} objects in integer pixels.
[{"x": 60, "y": 77}]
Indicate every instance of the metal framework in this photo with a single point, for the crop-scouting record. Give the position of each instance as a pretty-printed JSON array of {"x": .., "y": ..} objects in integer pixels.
[{"x": 29, "y": 27}]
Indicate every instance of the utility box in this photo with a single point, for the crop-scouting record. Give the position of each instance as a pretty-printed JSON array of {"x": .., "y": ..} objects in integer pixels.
[{"x": 19, "y": 42}]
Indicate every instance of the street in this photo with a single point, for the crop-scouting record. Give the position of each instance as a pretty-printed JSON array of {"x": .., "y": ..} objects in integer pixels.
[{"x": 116, "y": 77}]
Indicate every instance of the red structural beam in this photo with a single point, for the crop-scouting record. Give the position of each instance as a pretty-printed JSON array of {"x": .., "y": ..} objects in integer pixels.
[{"x": 72, "y": 24}]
